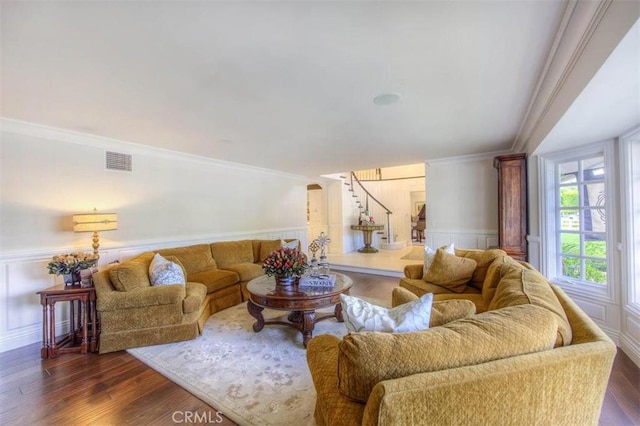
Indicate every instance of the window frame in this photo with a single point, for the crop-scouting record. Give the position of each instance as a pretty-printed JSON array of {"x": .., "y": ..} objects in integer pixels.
[
  {"x": 550, "y": 221},
  {"x": 630, "y": 149}
]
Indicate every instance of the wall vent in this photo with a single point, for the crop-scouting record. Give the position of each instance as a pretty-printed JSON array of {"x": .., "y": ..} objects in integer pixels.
[{"x": 118, "y": 161}]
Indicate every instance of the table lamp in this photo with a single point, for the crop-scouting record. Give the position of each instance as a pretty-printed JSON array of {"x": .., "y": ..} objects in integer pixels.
[{"x": 94, "y": 222}]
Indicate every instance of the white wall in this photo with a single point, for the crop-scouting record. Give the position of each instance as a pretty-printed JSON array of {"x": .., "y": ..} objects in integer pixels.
[
  {"x": 318, "y": 218},
  {"x": 462, "y": 203},
  {"x": 47, "y": 175}
]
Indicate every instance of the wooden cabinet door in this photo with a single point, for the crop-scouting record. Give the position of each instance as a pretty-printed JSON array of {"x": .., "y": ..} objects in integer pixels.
[{"x": 512, "y": 204}]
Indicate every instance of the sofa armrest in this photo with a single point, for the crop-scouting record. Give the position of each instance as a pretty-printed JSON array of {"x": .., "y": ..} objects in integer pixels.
[
  {"x": 560, "y": 386},
  {"x": 140, "y": 298},
  {"x": 414, "y": 271},
  {"x": 332, "y": 408}
]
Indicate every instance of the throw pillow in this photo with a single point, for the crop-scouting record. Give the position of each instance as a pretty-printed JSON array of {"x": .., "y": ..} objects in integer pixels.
[
  {"x": 360, "y": 315},
  {"x": 164, "y": 272},
  {"x": 450, "y": 271},
  {"x": 430, "y": 253},
  {"x": 132, "y": 274},
  {"x": 484, "y": 258},
  {"x": 293, "y": 245},
  {"x": 442, "y": 311},
  {"x": 267, "y": 247}
]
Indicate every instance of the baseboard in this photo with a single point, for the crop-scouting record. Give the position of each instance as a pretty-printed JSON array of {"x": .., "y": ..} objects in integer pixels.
[
  {"x": 371, "y": 271},
  {"x": 631, "y": 348},
  {"x": 397, "y": 245},
  {"x": 29, "y": 335}
]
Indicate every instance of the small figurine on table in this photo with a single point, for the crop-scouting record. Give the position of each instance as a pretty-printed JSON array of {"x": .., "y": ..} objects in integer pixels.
[{"x": 323, "y": 241}]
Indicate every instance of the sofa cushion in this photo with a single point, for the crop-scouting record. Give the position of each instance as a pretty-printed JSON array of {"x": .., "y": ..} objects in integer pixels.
[
  {"x": 365, "y": 359},
  {"x": 360, "y": 315},
  {"x": 165, "y": 272},
  {"x": 475, "y": 298},
  {"x": 227, "y": 253},
  {"x": 267, "y": 247},
  {"x": 442, "y": 312},
  {"x": 430, "y": 253},
  {"x": 483, "y": 258},
  {"x": 246, "y": 271},
  {"x": 420, "y": 287},
  {"x": 450, "y": 271},
  {"x": 496, "y": 271},
  {"x": 195, "y": 295},
  {"x": 196, "y": 258},
  {"x": 524, "y": 286},
  {"x": 132, "y": 274},
  {"x": 215, "y": 279}
]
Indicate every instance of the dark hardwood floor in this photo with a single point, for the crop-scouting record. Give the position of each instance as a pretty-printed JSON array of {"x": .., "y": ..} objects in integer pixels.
[{"x": 118, "y": 389}]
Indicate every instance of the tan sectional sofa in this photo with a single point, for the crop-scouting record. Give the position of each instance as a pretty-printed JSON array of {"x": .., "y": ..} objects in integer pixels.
[
  {"x": 134, "y": 313},
  {"x": 529, "y": 355}
]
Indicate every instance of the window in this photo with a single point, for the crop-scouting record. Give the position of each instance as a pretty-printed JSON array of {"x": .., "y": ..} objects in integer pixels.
[
  {"x": 581, "y": 234},
  {"x": 630, "y": 177},
  {"x": 578, "y": 229}
]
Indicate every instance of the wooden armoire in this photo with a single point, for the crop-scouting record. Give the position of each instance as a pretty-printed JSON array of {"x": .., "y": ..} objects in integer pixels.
[{"x": 512, "y": 204}]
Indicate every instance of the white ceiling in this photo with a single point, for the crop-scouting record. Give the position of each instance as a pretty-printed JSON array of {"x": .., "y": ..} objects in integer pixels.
[{"x": 282, "y": 85}]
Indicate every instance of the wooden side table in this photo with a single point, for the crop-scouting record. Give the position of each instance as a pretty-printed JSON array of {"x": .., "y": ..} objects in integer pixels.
[
  {"x": 84, "y": 329},
  {"x": 367, "y": 231}
]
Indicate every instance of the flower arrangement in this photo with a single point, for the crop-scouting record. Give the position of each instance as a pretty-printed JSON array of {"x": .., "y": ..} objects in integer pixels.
[
  {"x": 285, "y": 262},
  {"x": 71, "y": 263}
]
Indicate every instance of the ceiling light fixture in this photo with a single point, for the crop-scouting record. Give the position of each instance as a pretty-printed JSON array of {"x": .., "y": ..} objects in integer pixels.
[{"x": 386, "y": 99}]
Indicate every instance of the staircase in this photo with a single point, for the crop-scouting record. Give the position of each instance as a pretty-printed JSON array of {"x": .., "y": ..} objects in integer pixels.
[{"x": 366, "y": 202}]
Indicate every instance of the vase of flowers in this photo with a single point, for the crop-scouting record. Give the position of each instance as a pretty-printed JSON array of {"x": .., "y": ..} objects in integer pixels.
[
  {"x": 70, "y": 265},
  {"x": 286, "y": 265}
]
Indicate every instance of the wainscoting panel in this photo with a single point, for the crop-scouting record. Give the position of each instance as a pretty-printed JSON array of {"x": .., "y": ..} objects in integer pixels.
[
  {"x": 470, "y": 240},
  {"x": 604, "y": 313},
  {"x": 630, "y": 338},
  {"x": 23, "y": 275}
]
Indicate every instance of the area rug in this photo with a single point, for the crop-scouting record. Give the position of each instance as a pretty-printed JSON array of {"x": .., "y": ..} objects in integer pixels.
[
  {"x": 417, "y": 253},
  {"x": 252, "y": 378}
]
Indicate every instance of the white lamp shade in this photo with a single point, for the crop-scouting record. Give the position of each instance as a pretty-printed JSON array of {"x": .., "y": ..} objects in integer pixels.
[{"x": 93, "y": 222}]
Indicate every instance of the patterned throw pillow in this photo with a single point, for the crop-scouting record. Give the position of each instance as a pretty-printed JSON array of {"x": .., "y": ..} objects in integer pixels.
[
  {"x": 293, "y": 245},
  {"x": 164, "y": 272},
  {"x": 360, "y": 315},
  {"x": 430, "y": 253}
]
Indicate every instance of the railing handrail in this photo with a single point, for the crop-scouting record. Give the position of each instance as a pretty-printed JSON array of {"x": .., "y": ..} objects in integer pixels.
[{"x": 369, "y": 194}]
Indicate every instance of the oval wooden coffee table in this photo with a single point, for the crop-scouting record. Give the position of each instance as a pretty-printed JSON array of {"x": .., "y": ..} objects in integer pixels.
[{"x": 301, "y": 302}]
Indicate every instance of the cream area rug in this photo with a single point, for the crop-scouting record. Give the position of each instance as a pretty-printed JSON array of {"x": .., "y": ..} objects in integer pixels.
[{"x": 253, "y": 378}]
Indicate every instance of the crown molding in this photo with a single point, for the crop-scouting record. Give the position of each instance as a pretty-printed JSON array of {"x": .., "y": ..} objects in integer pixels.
[
  {"x": 467, "y": 158},
  {"x": 586, "y": 36},
  {"x": 9, "y": 125}
]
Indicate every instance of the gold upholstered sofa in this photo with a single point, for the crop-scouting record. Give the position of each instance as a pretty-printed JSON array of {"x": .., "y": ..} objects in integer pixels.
[
  {"x": 134, "y": 313},
  {"x": 524, "y": 354}
]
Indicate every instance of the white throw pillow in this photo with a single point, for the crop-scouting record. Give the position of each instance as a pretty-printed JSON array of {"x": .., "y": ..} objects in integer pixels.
[
  {"x": 360, "y": 315},
  {"x": 293, "y": 245},
  {"x": 430, "y": 253},
  {"x": 164, "y": 272}
]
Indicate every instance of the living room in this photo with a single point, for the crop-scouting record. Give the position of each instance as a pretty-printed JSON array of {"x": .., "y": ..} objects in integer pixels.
[{"x": 227, "y": 112}]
